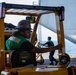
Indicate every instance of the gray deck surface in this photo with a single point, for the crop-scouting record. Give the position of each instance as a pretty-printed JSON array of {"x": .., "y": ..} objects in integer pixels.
[{"x": 47, "y": 61}]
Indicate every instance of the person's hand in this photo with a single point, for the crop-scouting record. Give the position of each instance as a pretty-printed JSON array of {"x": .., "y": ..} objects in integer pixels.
[{"x": 43, "y": 44}]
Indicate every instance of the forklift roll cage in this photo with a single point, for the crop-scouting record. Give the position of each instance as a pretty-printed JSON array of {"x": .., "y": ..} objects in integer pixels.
[
  {"x": 30, "y": 10},
  {"x": 17, "y": 9}
]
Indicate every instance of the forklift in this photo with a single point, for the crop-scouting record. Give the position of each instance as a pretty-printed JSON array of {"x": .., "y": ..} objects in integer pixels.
[{"x": 36, "y": 11}]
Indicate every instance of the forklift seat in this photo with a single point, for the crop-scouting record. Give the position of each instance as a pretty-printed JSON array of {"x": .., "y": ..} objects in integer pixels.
[{"x": 22, "y": 58}]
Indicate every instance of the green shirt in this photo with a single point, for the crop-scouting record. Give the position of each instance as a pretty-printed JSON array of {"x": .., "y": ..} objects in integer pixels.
[
  {"x": 14, "y": 43},
  {"x": 49, "y": 43}
]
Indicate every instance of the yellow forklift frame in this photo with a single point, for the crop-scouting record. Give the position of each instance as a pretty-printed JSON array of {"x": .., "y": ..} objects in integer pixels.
[
  {"x": 16, "y": 9},
  {"x": 38, "y": 11}
]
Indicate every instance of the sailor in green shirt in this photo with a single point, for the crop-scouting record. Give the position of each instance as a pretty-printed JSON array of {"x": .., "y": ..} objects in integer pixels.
[{"x": 50, "y": 44}]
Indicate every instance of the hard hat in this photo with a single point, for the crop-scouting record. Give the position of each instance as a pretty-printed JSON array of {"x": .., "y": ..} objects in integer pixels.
[{"x": 24, "y": 25}]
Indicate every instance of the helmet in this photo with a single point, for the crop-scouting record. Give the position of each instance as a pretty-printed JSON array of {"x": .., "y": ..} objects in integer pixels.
[{"x": 24, "y": 25}]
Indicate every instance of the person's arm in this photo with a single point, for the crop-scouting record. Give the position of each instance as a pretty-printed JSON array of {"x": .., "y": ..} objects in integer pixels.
[
  {"x": 44, "y": 44},
  {"x": 43, "y": 50},
  {"x": 29, "y": 47}
]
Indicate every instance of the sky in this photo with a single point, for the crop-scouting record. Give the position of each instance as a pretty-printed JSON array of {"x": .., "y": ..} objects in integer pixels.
[{"x": 20, "y": 1}]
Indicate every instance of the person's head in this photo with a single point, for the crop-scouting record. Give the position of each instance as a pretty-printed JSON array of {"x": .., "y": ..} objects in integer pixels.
[
  {"x": 24, "y": 28},
  {"x": 49, "y": 38}
]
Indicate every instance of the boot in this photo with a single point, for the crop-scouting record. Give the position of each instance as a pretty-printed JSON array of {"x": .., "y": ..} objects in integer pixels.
[{"x": 56, "y": 62}]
